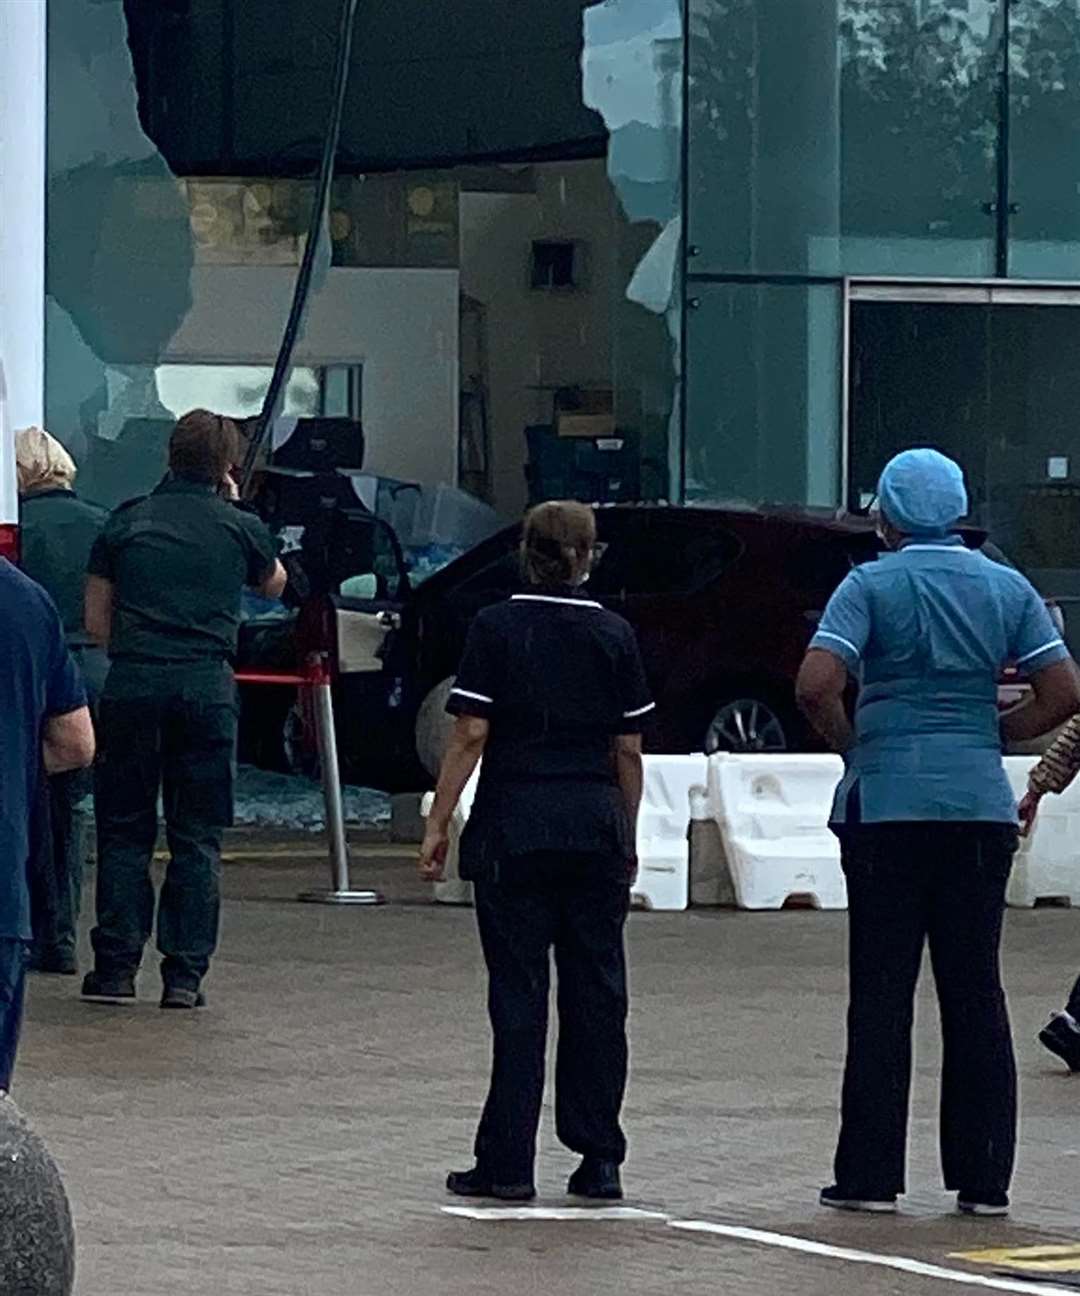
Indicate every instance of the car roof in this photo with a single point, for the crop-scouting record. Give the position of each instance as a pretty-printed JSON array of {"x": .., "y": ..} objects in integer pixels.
[{"x": 736, "y": 515}]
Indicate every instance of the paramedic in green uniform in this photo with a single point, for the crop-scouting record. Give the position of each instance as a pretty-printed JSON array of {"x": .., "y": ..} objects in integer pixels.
[
  {"x": 57, "y": 530},
  {"x": 163, "y": 592}
]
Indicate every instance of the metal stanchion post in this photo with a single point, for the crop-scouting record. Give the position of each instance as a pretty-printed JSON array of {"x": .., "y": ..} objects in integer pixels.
[{"x": 340, "y": 891}]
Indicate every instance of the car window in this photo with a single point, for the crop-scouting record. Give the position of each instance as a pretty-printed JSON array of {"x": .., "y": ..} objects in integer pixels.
[
  {"x": 817, "y": 565},
  {"x": 658, "y": 553},
  {"x": 499, "y": 578}
]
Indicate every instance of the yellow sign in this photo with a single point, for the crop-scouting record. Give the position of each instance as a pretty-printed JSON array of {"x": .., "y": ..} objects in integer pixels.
[{"x": 1058, "y": 1258}]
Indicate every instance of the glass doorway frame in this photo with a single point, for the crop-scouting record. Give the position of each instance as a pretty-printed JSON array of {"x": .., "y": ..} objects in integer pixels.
[{"x": 960, "y": 292}]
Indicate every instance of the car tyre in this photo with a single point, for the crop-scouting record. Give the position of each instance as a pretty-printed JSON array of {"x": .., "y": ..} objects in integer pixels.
[
  {"x": 749, "y": 724},
  {"x": 433, "y": 727}
]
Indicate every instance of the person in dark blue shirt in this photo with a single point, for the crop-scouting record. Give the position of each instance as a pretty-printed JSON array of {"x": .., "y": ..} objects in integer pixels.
[
  {"x": 47, "y": 730},
  {"x": 552, "y": 692}
]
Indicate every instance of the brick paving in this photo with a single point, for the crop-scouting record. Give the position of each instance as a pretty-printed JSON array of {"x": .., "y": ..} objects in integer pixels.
[{"x": 292, "y": 1139}]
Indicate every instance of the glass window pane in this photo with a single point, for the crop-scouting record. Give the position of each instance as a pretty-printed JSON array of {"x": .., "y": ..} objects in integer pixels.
[
  {"x": 763, "y": 393},
  {"x": 235, "y": 390},
  {"x": 854, "y": 136},
  {"x": 1044, "y": 123}
]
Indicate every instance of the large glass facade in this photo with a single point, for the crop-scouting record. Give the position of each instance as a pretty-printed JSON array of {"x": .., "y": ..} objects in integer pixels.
[
  {"x": 432, "y": 324},
  {"x": 749, "y": 161},
  {"x": 837, "y": 139}
]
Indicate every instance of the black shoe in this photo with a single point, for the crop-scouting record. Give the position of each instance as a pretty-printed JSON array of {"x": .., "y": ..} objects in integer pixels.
[
  {"x": 181, "y": 997},
  {"x": 478, "y": 1183},
  {"x": 54, "y": 963},
  {"x": 1061, "y": 1036},
  {"x": 596, "y": 1179},
  {"x": 869, "y": 1203},
  {"x": 989, "y": 1205},
  {"x": 110, "y": 988}
]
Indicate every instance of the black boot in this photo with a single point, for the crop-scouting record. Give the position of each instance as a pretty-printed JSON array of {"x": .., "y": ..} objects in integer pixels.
[
  {"x": 1062, "y": 1037},
  {"x": 478, "y": 1183},
  {"x": 596, "y": 1179}
]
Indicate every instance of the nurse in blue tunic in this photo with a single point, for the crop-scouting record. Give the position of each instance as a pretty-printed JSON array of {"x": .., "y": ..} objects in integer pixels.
[{"x": 928, "y": 825}]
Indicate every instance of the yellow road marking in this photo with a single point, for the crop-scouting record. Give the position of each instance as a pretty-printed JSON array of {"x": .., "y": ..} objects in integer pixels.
[{"x": 1057, "y": 1258}]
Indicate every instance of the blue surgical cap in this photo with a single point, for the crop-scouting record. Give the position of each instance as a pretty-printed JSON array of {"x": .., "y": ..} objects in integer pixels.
[{"x": 922, "y": 493}]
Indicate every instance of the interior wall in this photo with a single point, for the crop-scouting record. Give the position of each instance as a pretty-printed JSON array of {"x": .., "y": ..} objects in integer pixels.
[
  {"x": 539, "y": 340},
  {"x": 401, "y": 325}
]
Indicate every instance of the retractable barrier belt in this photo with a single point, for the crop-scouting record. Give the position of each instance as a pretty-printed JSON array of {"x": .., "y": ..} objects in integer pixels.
[{"x": 316, "y": 677}]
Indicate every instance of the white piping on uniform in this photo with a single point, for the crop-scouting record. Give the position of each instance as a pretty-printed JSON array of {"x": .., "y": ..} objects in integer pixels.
[
  {"x": 476, "y": 697},
  {"x": 1054, "y": 643},
  {"x": 629, "y": 715},
  {"x": 935, "y": 548},
  {"x": 550, "y": 598},
  {"x": 824, "y": 634}
]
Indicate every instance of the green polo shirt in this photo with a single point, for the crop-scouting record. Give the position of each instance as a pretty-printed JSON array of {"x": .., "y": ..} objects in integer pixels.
[
  {"x": 178, "y": 561},
  {"x": 58, "y": 532}
]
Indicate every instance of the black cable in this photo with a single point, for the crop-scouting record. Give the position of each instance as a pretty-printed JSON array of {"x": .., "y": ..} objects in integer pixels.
[{"x": 283, "y": 363}]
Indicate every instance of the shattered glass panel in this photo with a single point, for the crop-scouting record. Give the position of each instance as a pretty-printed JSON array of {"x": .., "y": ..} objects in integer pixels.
[{"x": 120, "y": 255}]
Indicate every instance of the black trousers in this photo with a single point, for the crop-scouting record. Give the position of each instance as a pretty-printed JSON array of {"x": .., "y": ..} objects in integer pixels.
[
  {"x": 59, "y": 839},
  {"x": 57, "y": 860},
  {"x": 175, "y": 734},
  {"x": 909, "y": 883},
  {"x": 576, "y": 906}
]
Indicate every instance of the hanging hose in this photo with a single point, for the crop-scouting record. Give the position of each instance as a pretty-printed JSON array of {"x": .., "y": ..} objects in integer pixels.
[{"x": 283, "y": 363}]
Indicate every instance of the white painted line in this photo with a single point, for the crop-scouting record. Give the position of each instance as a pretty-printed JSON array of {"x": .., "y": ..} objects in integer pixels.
[
  {"x": 760, "y": 1237},
  {"x": 900, "y": 1263},
  {"x": 525, "y": 1213}
]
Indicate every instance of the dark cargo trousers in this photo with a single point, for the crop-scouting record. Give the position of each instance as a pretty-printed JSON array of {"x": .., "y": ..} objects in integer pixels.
[{"x": 171, "y": 730}]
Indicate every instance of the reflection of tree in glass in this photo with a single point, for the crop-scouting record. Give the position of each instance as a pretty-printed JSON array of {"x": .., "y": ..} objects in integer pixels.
[
  {"x": 916, "y": 120},
  {"x": 723, "y": 115},
  {"x": 920, "y": 117},
  {"x": 1045, "y": 98}
]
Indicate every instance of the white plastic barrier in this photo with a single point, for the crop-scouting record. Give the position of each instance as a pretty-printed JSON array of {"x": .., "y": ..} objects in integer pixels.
[
  {"x": 773, "y": 814},
  {"x": 663, "y": 845},
  {"x": 1047, "y": 866},
  {"x": 663, "y": 881},
  {"x": 453, "y": 889}
]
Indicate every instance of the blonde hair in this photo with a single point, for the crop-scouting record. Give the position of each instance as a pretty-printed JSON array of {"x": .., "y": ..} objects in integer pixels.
[
  {"x": 42, "y": 463},
  {"x": 558, "y": 541}
]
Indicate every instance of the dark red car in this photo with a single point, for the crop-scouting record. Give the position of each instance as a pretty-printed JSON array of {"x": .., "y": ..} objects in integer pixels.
[{"x": 723, "y": 601}]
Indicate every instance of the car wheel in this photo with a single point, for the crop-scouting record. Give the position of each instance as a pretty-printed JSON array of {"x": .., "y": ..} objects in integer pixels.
[
  {"x": 433, "y": 727},
  {"x": 747, "y": 725}
]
